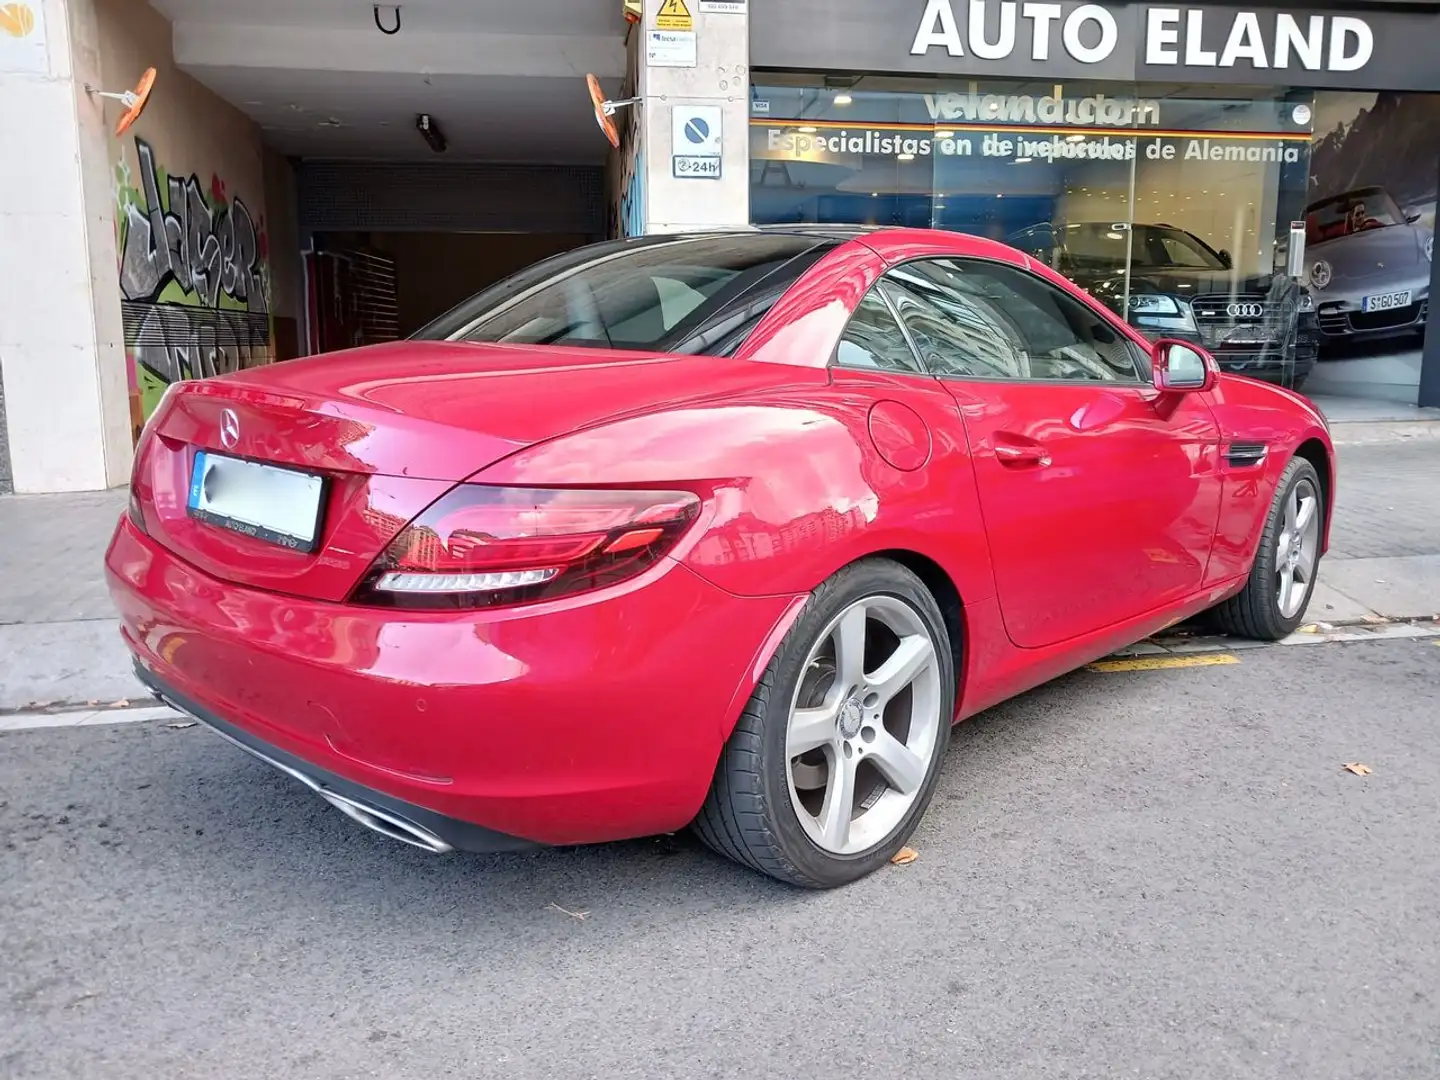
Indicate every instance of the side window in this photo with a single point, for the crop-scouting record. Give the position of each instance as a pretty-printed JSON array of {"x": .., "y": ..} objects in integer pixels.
[
  {"x": 983, "y": 320},
  {"x": 956, "y": 332},
  {"x": 873, "y": 339}
]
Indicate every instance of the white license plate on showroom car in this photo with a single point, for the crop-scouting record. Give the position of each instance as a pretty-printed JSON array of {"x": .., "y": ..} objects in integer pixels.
[
  {"x": 1386, "y": 301},
  {"x": 278, "y": 505}
]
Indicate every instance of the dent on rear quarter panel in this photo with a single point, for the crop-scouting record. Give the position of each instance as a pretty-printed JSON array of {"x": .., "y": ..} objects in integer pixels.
[
  {"x": 794, "y": 490},
  {"x": 1250, "y": 411}
]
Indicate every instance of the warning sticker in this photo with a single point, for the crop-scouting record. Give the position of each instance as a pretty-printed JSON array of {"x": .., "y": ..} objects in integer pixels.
[{"x": 674, "y": 15}]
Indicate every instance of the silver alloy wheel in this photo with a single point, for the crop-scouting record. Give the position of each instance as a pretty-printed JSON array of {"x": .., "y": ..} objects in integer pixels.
[
  {"x": 857, "y": 757},
  {"x": 1298, "y": 548}
]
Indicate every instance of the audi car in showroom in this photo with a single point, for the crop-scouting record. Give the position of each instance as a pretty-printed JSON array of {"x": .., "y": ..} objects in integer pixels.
[
  {"x": 721, "y": 531},
  {"x": 1262, "y": 325},
  {"x": 1369, "y": 267}
]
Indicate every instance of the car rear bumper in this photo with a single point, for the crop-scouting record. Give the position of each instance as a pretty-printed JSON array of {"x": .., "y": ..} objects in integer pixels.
[
  {"x": 382, "y": 813},
  {"x": 595, "y": 718}
]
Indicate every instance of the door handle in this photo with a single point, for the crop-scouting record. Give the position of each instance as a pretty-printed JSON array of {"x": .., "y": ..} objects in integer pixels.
[{"x": 1018, "y": 453}]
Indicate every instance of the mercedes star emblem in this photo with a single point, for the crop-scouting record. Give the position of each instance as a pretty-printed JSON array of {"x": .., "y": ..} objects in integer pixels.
[{"x": 229, "y": 428}]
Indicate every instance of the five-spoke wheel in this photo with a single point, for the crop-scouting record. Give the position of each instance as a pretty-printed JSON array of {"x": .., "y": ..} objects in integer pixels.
[
  {"x": 836, "y": 756},
  {"x": 1282, "y": 579}
]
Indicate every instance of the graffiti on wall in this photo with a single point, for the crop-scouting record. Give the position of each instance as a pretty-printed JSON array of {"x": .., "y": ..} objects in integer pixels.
[
  {"x": 627, "y": 200},
  {"x": 194, "y": 280}
]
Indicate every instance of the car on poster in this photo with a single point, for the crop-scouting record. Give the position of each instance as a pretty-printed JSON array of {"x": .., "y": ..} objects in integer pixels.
[
  {"x": 1261, "y": 325},
  {"x": 1369, "y": 265},
  {"x": 722, "y": 530}
]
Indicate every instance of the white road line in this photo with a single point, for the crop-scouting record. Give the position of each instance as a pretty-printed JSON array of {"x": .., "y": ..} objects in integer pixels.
[{"x": 86, "y": 718}]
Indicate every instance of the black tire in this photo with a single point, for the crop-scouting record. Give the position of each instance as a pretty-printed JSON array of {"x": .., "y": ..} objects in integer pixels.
[
  {"x": 1255, "y": 612},
  {"x": 748, "y": 815}
]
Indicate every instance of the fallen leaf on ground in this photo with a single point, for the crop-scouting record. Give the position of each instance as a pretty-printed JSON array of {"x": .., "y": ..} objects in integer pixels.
[
  {"x": 1310, "y": 629},
  {"x": 123, "y": 703},
  {"x": 181, "y": 725},
  {"x": 578, "y": 916},
  {"x": 1357, "y": 768},
  {"x": 905, "y": 856}
]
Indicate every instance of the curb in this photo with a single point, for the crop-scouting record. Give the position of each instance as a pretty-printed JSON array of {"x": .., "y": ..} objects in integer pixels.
[
  {"x": 89, "y": 717},
  {"x": 1370, "y": 432}
]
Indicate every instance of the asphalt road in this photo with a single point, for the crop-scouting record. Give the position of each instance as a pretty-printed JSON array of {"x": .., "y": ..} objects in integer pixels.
[{"x": 1149, "y": 874}]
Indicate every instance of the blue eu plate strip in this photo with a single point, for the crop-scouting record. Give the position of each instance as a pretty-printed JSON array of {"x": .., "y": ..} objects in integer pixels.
[{"x": 197, "y": 480}]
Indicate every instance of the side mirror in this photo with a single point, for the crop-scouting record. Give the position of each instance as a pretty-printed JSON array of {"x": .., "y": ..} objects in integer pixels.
[
  {"x": 1226, "y": 259},
  {"x": 1180, "y": 368}
]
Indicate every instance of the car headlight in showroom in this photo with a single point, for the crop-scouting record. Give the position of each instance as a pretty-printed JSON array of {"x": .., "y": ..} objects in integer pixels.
[
  {"x": 1306, "y": 301},
  {"x": 1321, "y": 274},
  {"x": 1162, "y": 310}
]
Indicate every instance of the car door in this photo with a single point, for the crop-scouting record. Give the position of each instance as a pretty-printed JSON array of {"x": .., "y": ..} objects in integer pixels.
[{"x": 1100, "y": 495}]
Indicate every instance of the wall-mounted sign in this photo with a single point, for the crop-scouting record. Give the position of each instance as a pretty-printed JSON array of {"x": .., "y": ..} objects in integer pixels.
[
  {"x": 670, "y": 48},
  {"x": 695, "y": 142},
  {"x": 722, "y": 7},
  {"x": 1274, "y": 44},
  {"x": 674, "y": 15},
  {"x": 1171, "y": 35}
]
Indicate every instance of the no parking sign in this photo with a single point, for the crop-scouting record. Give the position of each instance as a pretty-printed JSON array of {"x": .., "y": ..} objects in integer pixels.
[{"x": 695, "y": 142}]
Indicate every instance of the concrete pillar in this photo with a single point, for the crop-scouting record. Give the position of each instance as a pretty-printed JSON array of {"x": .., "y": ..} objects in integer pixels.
[
  {"x": 62, "y": 354},
  {"x": 701, "y": 73}
]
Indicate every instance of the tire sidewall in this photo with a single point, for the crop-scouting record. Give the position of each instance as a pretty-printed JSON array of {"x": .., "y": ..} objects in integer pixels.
[
  {"x": 876, "y": 577},
  {"x": 1265, "y": 562}
]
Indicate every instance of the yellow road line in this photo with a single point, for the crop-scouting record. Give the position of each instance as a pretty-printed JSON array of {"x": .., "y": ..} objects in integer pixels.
[{"x": 1155, "y": 663}]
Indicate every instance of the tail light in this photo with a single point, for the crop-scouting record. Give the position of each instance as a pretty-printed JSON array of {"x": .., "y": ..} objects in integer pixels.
[
  {"x": 136, "y": 511},
  {"x": 482, "y": 546}
]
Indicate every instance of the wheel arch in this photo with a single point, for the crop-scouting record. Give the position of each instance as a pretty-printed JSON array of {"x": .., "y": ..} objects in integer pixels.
[
  {"x": 947, "y": 596},
  {"x": 932, "y": 575},
  {"x": 1318, "y": 455}
]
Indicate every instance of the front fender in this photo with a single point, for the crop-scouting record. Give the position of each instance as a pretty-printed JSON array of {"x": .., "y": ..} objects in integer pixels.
[{"x": 1249, "y": 411}]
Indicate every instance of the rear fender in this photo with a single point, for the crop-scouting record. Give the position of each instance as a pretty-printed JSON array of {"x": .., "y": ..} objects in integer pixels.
[{"x": 792, "y": 486}]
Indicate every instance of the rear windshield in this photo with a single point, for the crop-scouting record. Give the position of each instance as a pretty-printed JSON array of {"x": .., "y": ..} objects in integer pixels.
[{"x": 660, "y": 295}]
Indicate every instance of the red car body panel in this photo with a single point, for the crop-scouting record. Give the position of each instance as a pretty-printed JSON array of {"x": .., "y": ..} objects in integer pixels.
[
  {"x": 566, "y": 722},
  {"x": 1069, "y": 519}
]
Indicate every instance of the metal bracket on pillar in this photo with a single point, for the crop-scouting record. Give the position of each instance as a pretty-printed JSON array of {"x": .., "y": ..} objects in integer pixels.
[
  {"x": 134, "y": 100},
  {"x": 605, "y": 109}
]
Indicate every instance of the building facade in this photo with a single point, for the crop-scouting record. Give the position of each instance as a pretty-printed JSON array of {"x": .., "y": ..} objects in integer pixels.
[{"x": 1260, "y": 179}]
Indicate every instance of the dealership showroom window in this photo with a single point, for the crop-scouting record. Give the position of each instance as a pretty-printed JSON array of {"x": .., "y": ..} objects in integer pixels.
[{"x": 1261, "y": 181}]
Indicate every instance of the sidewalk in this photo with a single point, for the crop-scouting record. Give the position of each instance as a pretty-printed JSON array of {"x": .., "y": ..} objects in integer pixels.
[{"x": 59, "y": 644}]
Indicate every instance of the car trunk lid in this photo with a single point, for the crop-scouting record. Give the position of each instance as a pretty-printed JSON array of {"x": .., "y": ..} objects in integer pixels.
[{"x": 375, "y": 435}]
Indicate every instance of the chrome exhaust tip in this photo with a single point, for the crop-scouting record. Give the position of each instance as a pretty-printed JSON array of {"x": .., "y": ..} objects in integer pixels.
[{"x": 385, "y": 823}]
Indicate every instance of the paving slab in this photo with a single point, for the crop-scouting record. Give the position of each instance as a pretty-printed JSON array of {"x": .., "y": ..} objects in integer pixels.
[
  {"x": 1403, "y": 587},
  {"x": 71, "y": 662}
]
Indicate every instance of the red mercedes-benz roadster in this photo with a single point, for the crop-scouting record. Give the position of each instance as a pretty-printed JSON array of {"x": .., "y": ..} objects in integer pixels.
[{"x": 721, "y": 531}]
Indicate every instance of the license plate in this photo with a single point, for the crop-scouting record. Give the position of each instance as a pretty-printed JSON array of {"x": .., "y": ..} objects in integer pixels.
[
  {"x": 1386, "y": 301},
  {"x": 278, "y": 505},
  {"x": 1249, "y": 335}
]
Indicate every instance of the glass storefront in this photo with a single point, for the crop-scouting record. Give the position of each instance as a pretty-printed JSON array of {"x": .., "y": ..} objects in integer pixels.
[{"x": 1172, "y": 204}]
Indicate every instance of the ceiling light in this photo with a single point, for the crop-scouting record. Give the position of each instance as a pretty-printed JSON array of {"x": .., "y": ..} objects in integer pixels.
[
  {"x": 430, "y": 132},
  {"x": 808, "y": 129},
  {"x": 944, "y": 134},
  {"x": 843, "y": 99},
  {"x": 1074, "y": 138},
  {"x": 907, "y": 157},
  {"x": 1023, "y": 160}
]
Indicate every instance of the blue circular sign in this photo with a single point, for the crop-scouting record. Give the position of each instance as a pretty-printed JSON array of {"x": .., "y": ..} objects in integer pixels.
[{"x": 696, "y": 130}]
